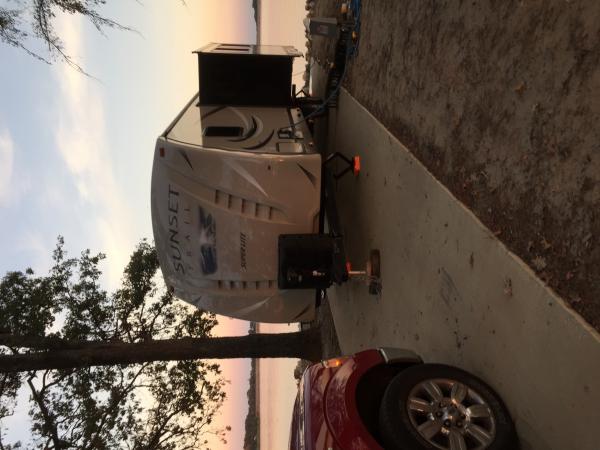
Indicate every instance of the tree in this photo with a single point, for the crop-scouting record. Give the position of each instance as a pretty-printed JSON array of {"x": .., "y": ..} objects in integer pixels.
[
  {"x": 88, "y": 358},
  {"x": 35, "y": 19},
  {"x": 157, "y": 405}
]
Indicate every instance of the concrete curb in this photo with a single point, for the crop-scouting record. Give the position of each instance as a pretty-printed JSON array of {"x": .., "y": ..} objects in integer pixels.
[{"x": 455, "y": 294}]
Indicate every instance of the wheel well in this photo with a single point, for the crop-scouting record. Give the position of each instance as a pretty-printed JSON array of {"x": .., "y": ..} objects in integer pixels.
[{"x": 369, "y": 393}]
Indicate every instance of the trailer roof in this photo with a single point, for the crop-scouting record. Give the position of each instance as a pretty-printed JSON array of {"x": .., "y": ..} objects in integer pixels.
[{"x": 249, "y": 49}]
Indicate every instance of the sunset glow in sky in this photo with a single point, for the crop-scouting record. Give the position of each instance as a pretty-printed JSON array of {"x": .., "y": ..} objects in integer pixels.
[{"x": 76, "y": 151}]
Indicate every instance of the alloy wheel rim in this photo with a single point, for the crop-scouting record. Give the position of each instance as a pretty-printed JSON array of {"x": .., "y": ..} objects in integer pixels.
[{"x": 450, "y": 415}]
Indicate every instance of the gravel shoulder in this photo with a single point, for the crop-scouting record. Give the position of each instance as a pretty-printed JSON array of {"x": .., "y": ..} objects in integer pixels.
[
  {"x": 500, "y": 101},
  {"x": 329, "y": 339}
]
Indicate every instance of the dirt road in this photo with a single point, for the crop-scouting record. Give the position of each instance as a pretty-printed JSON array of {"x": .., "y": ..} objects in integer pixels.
[{"x": 500, "y": 100}]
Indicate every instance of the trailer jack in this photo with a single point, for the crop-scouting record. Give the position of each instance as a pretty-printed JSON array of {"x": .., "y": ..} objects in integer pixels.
[{"x": 371, "y": 274}]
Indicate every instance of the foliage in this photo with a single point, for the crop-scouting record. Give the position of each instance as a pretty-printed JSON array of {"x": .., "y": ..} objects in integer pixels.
[
  {"x": 26, "y": 19},
  {"x": 252, "y": 422},
  {"x": 159, "y": 405}
]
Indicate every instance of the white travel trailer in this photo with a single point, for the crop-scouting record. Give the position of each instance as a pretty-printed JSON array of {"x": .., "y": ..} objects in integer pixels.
[{"x": 236, "y": 192}]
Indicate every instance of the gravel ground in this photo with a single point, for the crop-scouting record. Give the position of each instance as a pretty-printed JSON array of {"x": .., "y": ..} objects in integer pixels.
[
  {"x": 501, "y": 101},
  {"x": 330, "y": 345},
  {"x": 329, "y": 339}
]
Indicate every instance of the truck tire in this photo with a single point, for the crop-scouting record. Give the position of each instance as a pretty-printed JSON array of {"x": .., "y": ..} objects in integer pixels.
[{"x": 439, "y": 407}]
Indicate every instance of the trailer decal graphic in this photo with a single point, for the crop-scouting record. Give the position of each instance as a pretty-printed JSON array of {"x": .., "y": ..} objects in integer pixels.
[
  {"x": 207, "y": 239},
  {"x": 243, "y": 240},
  {"x": 174, "y": 244},
  {"x": 250, "y": 132},
  {"x": 187, "y": 159},
  {"x": 261, "y": 144}
]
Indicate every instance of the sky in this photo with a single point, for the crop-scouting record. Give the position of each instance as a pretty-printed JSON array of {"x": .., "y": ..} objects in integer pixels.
[{"x": 76, "y": 151}]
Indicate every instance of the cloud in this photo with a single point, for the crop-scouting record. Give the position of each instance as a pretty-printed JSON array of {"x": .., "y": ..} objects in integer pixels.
[
  {"x": 38, "y": 247},
  {"x": 7, "y": 150},
  {"x": 82, "y": 141}
]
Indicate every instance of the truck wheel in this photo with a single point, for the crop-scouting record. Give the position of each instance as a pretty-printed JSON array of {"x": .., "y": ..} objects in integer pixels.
[{"x": 438, "y": 407}]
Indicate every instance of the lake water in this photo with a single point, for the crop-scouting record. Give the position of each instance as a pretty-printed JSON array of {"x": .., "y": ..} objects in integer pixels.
[{"x": 277, "y": 392}]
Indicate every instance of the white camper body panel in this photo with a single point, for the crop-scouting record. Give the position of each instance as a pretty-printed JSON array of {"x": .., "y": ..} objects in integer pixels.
[{"x": 219, "y": 204}]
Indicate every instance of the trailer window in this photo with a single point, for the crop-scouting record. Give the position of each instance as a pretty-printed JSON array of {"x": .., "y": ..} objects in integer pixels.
[{"x": 223, "y": 131}]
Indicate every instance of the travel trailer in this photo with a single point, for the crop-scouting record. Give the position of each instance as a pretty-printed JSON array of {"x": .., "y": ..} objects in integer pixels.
[{"x": 237, "y": 192}]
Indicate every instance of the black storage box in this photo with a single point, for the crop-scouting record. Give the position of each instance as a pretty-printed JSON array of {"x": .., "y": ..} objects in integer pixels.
[{"x": 246, "y": 75}]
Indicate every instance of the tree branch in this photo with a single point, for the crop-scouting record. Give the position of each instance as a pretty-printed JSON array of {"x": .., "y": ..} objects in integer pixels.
[
  {"x": 301, "y": 344},
  {"x": 39, "y": 342},
  {"x": 49, "y": 424},
  {"x": 114, "y": 403}
]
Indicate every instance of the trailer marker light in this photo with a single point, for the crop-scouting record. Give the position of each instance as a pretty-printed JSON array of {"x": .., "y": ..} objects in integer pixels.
[
  {"x": 356, "y": 165},
  {"x": 335, "y": 362},
  {"x": 162, "y": 152}
]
